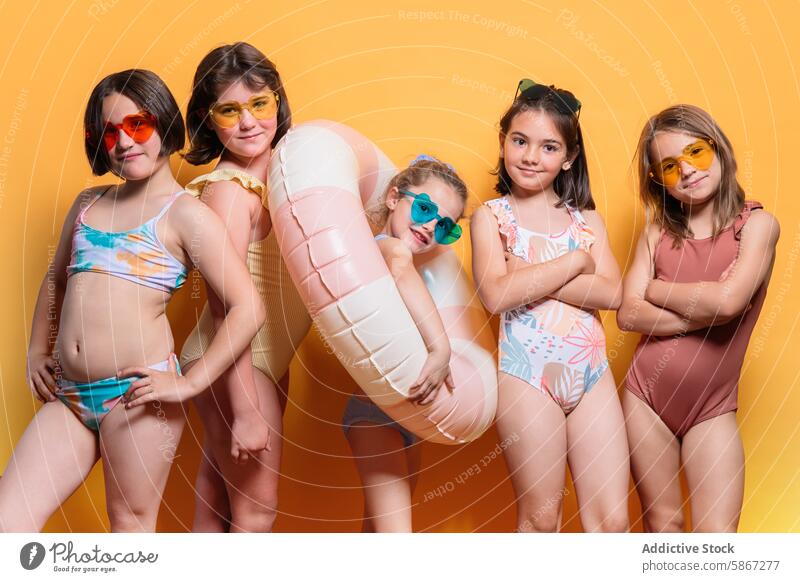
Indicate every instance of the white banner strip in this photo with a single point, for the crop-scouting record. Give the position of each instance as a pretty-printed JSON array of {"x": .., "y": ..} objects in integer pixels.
[{"x": 425, "y": 557}]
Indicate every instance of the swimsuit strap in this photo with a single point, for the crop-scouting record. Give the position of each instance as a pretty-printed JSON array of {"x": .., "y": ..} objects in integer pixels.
[
  {"x": 506, "y": 221},
  {"x": 586, "y": 233},
  {"x": 156, "y": 218},
  {"x": 245, "y": 180},
  {"x": 82, "y": 213},
  {"x": 575, "y": 214},
  {"x": 738, "y": 224},
  {"x": 165, "y": 208},
  {"x": 743, "y": 216}
]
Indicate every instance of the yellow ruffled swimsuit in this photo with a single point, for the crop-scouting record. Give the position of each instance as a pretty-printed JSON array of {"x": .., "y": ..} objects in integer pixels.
[{"x": 287, "y": 319}]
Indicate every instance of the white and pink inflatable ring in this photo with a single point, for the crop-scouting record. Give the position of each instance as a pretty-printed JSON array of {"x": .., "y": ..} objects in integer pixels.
[{"x": 322, "y": 176}]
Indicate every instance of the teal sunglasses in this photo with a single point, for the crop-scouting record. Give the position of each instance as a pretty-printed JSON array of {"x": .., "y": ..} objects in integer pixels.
[{"x": 423, "y": 210}]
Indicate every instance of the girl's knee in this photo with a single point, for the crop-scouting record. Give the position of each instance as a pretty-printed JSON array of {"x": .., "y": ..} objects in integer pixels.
[
  {"x": 538, "y": 517},
  {"x": 253, "y": 517},
  {"x": 663, "y": 520},
  {"x": 537, "y": 524},
  {"x": 716, "y": 525},
  {"x": 607, "y": 522},
  {"x": 253, "y": 520},
  {"x": 715, "y": 528},
  {"x": 130, "y": 519}
]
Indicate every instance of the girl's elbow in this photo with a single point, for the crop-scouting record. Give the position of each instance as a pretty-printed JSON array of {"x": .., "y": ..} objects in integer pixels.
[
  {"x": 731, "y": 308},
  {"x": 615, "y": 301},
  {"x": 490, "y": 303},
  {"x": 723, "y": 305},
  {"x": 625, "y": 319},
  {"x": 260, "y": 314}
]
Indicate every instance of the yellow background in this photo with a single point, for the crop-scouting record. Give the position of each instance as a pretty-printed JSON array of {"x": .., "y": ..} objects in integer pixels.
[{"x": 416, "y": 77}]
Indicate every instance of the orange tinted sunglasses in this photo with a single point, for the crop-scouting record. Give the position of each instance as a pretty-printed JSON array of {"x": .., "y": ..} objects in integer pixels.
[
  {"x": 228, "y": 113},
  {"x": 138, "y": 126},
  {"x": 699, "y": 154}
]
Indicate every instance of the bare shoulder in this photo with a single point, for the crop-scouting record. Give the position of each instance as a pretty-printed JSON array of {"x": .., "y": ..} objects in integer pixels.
[
  {"x": 189, "y": 211},
  {"x": 482, "y": 212},
  {"x": 594, "y": 219},
  {"x": 186, "y": 203},
  {"x": 762, "y": 224},
  {"x": 228, "y": 190},
  {"x": 394, "y": 249},
  {"x": 650, "y": 233},
  {"x": 84, "y": 198},
  {"x": 483, "y": 217},
  {"x": 88, "y": 194}
]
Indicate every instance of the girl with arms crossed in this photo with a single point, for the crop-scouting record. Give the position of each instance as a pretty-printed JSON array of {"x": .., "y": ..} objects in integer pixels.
[
  {"x": 694, "y": 291},
  {"x": 557, "y": 397}
]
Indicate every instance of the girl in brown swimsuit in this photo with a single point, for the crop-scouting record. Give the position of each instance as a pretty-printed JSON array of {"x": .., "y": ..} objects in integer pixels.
[{"x": 694, "y": 291}]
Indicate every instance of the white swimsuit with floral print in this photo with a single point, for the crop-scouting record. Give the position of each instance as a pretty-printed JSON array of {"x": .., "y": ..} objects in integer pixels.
[{"x": 553, "y": 346}]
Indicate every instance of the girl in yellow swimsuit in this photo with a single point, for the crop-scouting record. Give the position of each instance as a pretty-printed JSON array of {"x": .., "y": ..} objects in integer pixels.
[{"x": 237, "y": 112}]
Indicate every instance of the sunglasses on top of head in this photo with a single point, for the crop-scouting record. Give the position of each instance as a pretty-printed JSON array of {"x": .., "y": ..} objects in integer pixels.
[{"x": 564, "y": 101}]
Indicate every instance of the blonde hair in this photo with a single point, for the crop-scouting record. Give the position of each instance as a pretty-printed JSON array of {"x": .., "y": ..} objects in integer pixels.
[
  {"x": 663, "y": 209},
  {"x": 415, "y": 175}
]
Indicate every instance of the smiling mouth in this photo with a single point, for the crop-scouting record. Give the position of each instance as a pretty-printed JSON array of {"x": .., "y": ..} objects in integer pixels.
[
  {"x": 419, "y": 236},
  {"x": 129, "y": 157},
  {"x": 528, "y": 171},
  {"x": 695, "y": 183},
  {"x": 250, "y": 136}
]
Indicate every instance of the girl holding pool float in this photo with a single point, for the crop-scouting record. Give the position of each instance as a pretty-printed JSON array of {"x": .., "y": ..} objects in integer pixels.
[
  {"x": 421, "y": 209},
  {"x": 237, "y": 112}
]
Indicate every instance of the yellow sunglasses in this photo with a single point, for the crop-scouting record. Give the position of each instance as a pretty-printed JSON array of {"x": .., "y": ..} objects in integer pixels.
[
  {"x": 228, "y": 113},
  {"x": 699, "y": 154}
]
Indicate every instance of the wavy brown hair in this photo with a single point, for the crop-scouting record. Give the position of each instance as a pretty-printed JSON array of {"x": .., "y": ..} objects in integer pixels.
[
  {"x": 665, "y": 210},
  {"x": 220, "y": 68}
]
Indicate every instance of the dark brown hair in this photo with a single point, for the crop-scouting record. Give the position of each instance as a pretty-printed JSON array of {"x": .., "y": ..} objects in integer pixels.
[
  {"x": 149, "y": 92},
  {"x": 571, "y": 186},
  {"x": 220, "y": 68},
  {"x": 665, "y": 210},
  {"x": 415, "y": 175}
]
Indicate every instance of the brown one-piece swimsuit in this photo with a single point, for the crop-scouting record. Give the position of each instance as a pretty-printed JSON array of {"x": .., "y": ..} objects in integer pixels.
[{"x": 692, "y": 377}]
